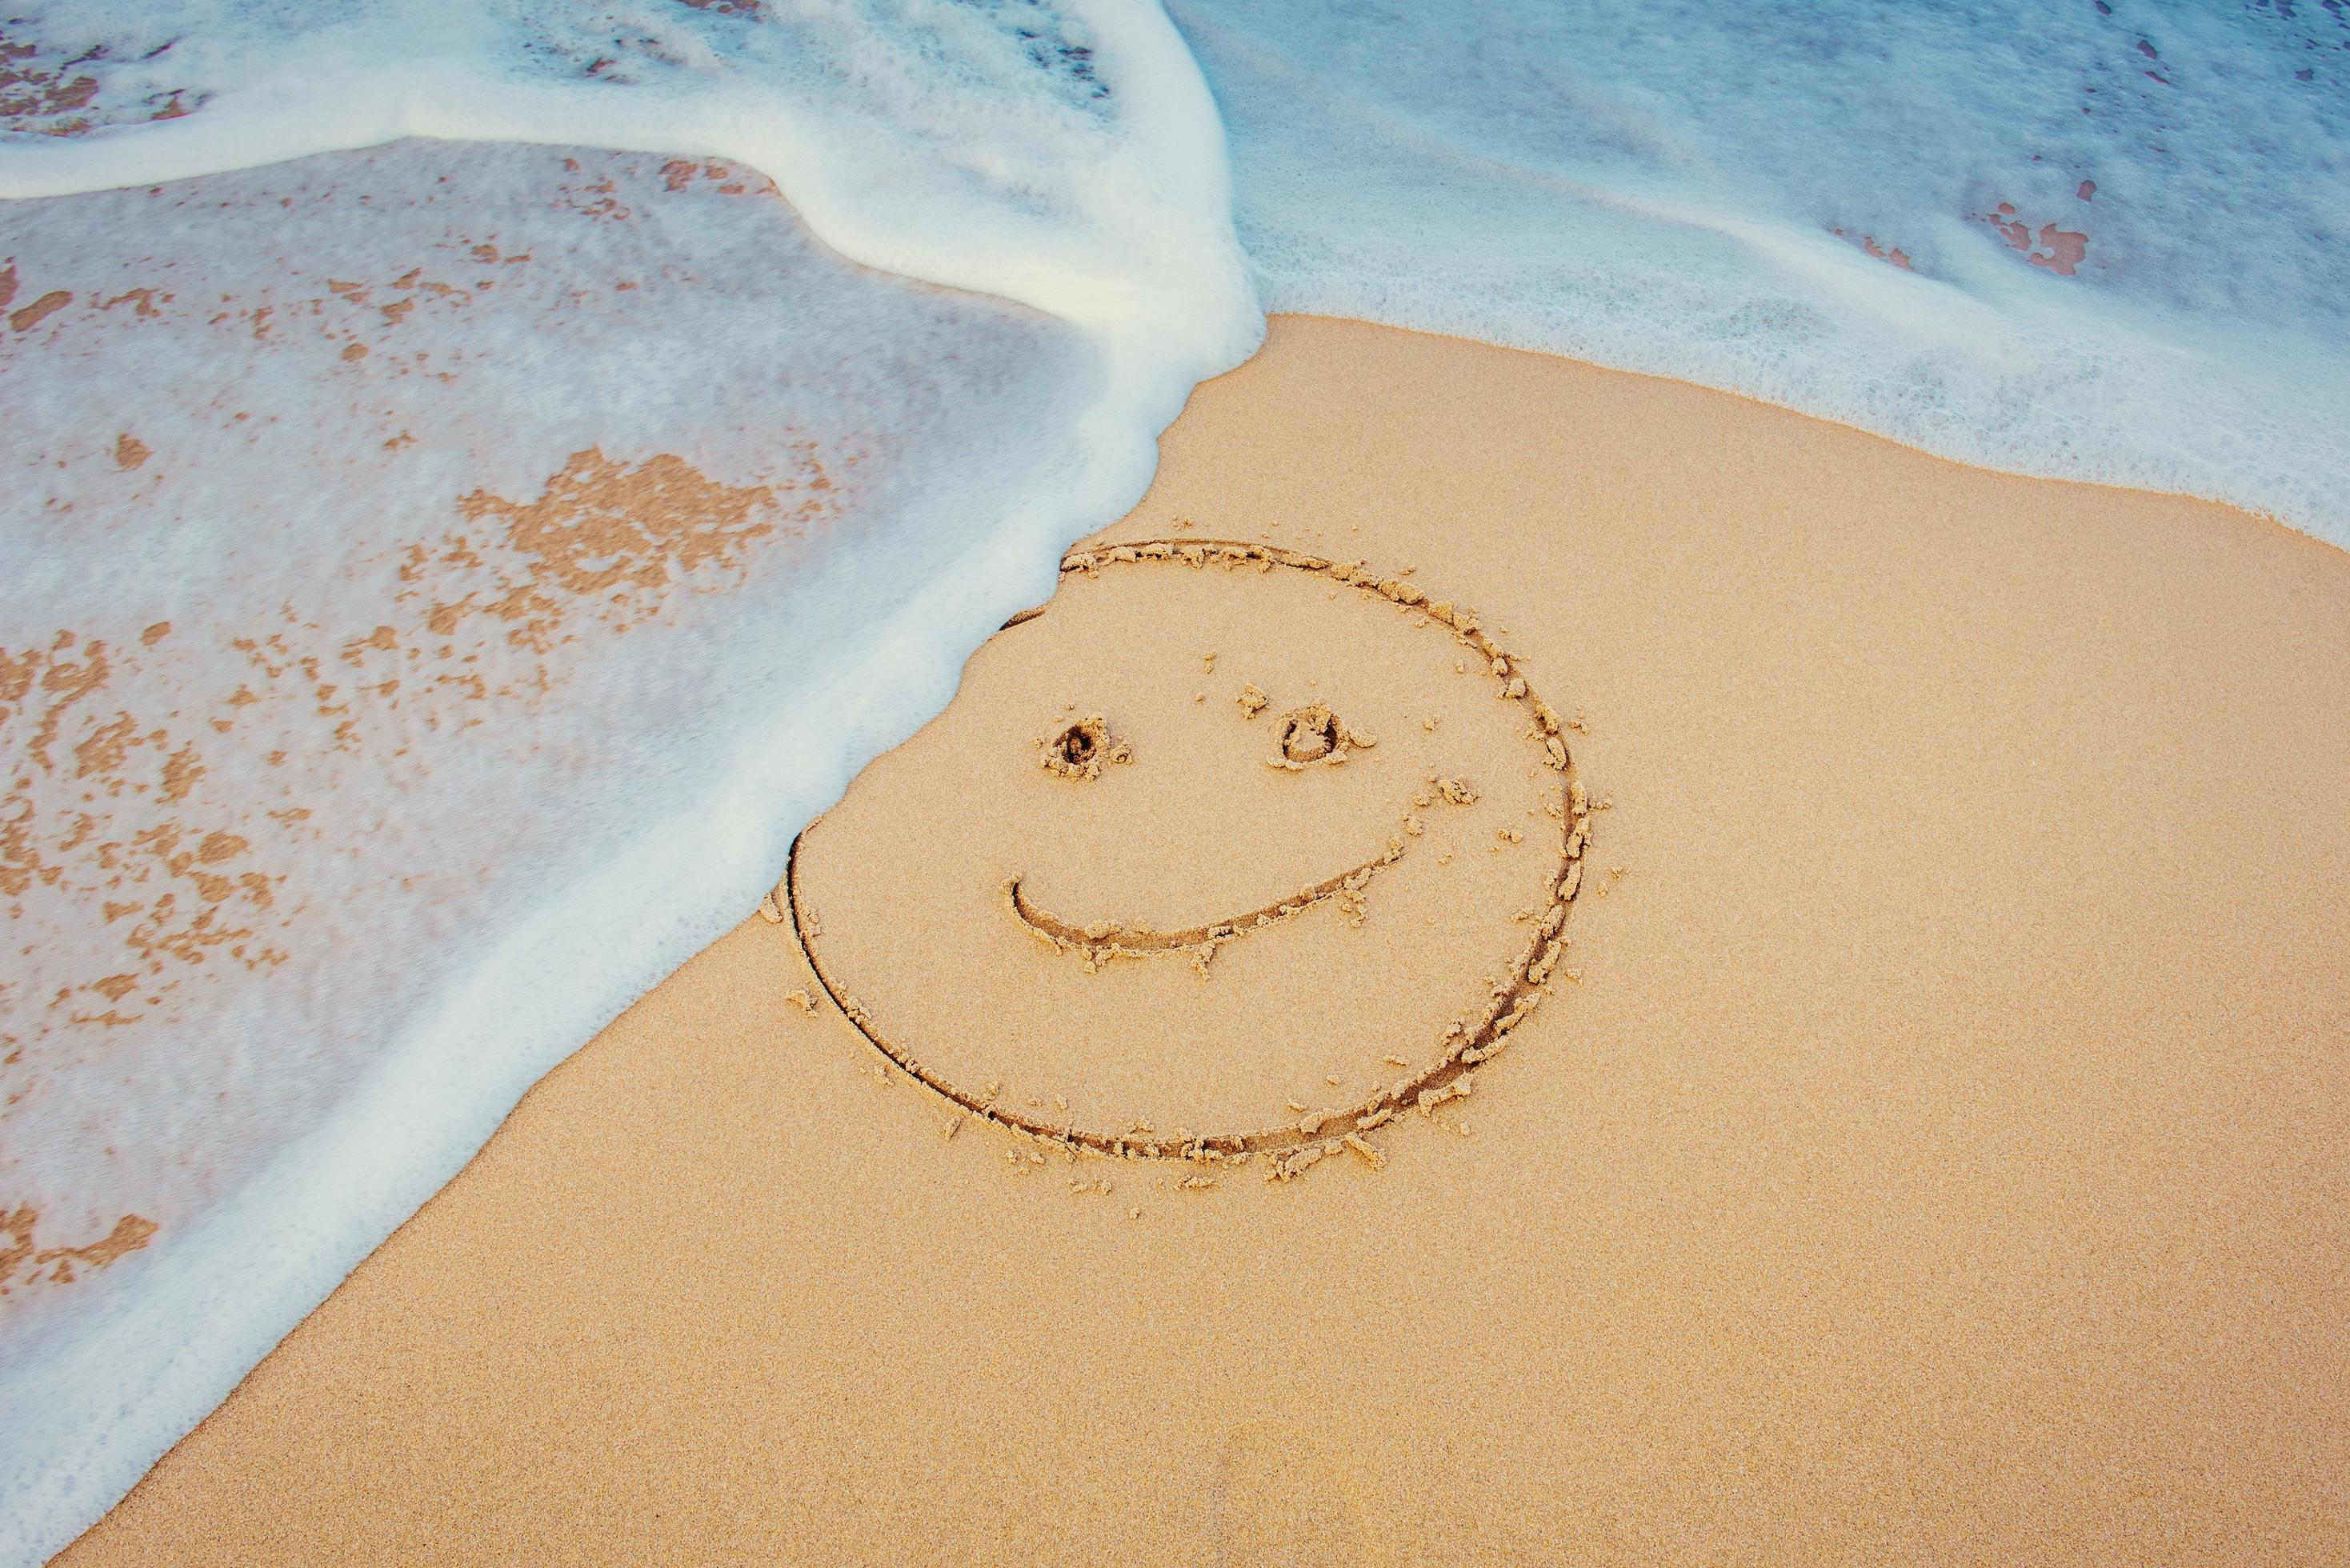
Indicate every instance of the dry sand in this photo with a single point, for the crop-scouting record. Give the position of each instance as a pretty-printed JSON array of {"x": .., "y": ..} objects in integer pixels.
[{"x": 1937, "y": 1154}]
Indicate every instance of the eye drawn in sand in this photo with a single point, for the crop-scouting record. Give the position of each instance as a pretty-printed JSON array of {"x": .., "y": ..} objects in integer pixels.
[
  {"x": 1298, "y": 741},
  {"x": 1314, "y": 736},
  {"x": 1080, "y": 750}
]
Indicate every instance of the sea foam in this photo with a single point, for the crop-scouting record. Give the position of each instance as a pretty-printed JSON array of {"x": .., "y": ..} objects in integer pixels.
[
  {"x": 440, "y": 579},
  {"x": 2095, "y": 241}
]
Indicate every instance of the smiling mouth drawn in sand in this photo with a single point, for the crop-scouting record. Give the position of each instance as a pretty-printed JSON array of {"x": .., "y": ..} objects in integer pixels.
[
  {"x": 1086, "y": 767},
  {"x": 1308, "y": 736},
  {"x": 1103, "y": 941}
]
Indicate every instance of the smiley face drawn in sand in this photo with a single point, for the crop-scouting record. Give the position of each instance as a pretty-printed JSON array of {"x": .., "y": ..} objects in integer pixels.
[{"x": 1294, "y": 858}]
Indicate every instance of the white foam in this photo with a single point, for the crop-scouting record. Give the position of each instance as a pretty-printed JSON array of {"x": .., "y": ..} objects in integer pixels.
[
  {"x": 289, "y": 405},
  {"x": 1659, "y": 188},
  {"x": 1066, "y": 156}
]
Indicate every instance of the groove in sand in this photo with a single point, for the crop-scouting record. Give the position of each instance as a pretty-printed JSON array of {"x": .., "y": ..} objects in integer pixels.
[{"x": 1289, "y": 1147}]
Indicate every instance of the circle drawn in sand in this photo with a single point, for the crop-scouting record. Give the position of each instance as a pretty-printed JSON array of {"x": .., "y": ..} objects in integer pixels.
[{"x": 1310, "y": 737}]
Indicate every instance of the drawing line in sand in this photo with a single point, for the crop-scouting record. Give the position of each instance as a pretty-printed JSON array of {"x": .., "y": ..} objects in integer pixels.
[
  {"x": 1104, "y": 941},
  {"x": 1289, "y": 1148}
]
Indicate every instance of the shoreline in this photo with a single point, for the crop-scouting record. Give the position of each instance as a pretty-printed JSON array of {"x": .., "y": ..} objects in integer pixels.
[{"x": 1910, "y": 1168}]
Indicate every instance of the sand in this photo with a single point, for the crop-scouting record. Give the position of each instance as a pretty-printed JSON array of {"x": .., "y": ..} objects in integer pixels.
[{"x": 1931, "y": 1146}]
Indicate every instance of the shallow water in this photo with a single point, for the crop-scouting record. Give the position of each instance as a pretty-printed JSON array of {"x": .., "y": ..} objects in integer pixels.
[{"x": 2099, "y": 241}]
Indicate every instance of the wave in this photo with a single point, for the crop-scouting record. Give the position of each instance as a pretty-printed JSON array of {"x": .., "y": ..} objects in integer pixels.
[
  {"x": 2090, "y": 241},
  {"x": 443, "y": 575}
]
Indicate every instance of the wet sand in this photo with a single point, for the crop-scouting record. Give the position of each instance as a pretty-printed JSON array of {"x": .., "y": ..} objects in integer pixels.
[{"x": 1934, "y": 1144}]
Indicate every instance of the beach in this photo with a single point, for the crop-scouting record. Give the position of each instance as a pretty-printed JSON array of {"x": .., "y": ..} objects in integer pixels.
[{"x": 1933, "y": 1141}]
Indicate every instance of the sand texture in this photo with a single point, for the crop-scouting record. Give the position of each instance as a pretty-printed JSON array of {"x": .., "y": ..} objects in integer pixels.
[{"x": 1736, "y": 993}]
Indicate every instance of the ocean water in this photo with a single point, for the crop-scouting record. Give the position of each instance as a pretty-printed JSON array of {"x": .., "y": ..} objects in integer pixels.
[
  {"x": 481, "y": 473},
  {"x": 2100, "y": 241}
]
